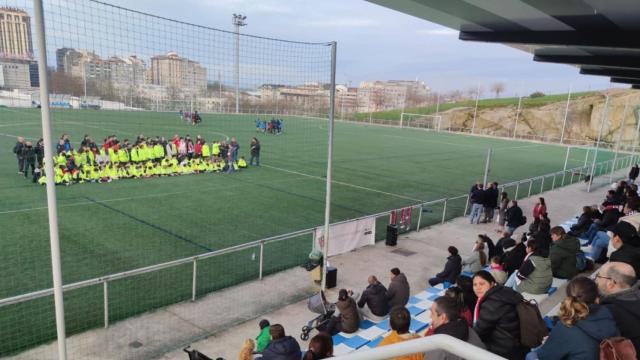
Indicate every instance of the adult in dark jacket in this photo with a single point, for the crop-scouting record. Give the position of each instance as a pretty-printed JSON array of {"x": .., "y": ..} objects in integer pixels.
[
  {"x": 398, "y": 290},
  {"x": 624, "y": 235},
  {"x": 375, "y": 297},
  {"x": 584, "y": 221},
  {"x": 514, "y": 254},
  {"x": 452, "y": 268},
  {"x": 17, "y": 149},
  {"x": 563, "y": 254},
  {"x": 619, "y": 293},
  {"x": 583, "y": 325},
  {"x": 349, "y": 318},
  {"x": 495, "y": 317},
  {"x": 477, "y": 200},
  {"x": 490, "y": 201},
  {"x": 633, "y": 173},
  {"x": 513, "y": 217},
  {"x": 543, "y": 238},
  {"x": 281, "y": 347},
  {"x": 29, "y": 154},
  {"x": 255, "y": 151}
]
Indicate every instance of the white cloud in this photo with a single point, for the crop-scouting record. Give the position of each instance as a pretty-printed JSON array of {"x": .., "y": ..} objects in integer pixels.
[
  {"x": 340, "y": 23},
  {"x": 437, "y": 32},
  {"x": 249, "y": 6}
]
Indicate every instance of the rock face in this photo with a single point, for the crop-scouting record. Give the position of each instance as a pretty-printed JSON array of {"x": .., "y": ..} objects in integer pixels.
[{"x": 545, "y": 122}]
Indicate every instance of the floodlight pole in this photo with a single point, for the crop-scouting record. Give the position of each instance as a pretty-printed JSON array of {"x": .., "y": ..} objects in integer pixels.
[
  {"x": 486, "y": 167},
  {"x": 475, "y": 111},
  {"x": 327, "y": 202},
  {"x": 52, "y": 207},
  {"x": 595, "y": 155},
  {"x": 566, "y": 115},
  {"x": 238, "y": 21},
  {"x": 515, "y": 127},
  {"x": 566, "y": 162},
  {"x": 615, "y": 154}
]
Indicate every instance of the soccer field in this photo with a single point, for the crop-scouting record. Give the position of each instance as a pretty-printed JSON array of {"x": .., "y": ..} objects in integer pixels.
[{"x": 128, "y": 224}]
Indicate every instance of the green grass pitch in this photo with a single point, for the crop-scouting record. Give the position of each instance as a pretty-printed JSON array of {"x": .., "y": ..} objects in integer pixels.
[{"x": 127, "y": 224}]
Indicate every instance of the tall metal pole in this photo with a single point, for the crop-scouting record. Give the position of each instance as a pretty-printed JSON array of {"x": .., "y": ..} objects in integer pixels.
[
  {"x": 56, "y": 267},
  {"x": 486, "y": 167},
  {"x": 566, "y": 115},
  {"x": 566, "y": 161},
  {"x": 515, "y": 127},
  {"x": 615, "y": 154},
  {"x": 238, "y": 21},
  {"x": 327, "y": 201},
  {"x": 595, "y": 155},
  {"x": 475, "y": 111}
]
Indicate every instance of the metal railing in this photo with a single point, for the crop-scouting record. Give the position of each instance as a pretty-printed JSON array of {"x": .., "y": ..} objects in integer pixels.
[
  {"x": 433, "y": 342},
  {"x": 557, "y": 179}
]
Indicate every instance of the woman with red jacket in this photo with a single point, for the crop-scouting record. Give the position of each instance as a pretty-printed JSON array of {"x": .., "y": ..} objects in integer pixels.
[{"x": 540, "y": 208}]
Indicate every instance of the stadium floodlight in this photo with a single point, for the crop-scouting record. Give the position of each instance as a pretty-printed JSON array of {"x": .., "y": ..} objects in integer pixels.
[{"x": 238, "y": 21}]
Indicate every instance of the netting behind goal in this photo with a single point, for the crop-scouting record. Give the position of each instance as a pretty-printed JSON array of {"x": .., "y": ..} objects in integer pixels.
[{"x": 421, "y": 121}]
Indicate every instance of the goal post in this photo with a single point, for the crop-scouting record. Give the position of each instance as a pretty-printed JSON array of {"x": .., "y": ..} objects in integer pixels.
[{"x": 421, "y": 121}]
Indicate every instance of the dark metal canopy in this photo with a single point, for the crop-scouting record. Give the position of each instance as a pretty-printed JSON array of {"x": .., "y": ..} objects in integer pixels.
[{"x": 602, "y": 37}]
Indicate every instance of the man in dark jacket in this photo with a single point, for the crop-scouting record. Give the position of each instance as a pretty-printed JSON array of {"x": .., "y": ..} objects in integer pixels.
[
  {"x": 625, "y": 236},
  {"x": 491, "y": 195},
  {"x": 476, "y": 198},
  {"x": 445, "y": 319},
  {"x": 514, "y": 217},
  {"x": 583, "y": 223},
  {"x": 563, "y": 254},
  {"x": 620, "y": 294},
  {"x": 29, "y": 155},
  {"x": 514, "y": 254},
  {"x": 18, "y": 150},
  {"x": 398, "y": 291},
  {"x": 633, "y": 173},
  {"x": 281, "y": 347},
  {"x": 452, "y": 269},
  {"x": 375, "y": 297}
]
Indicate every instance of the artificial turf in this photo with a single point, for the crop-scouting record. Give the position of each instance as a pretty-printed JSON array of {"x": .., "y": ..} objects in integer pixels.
[{"x": 128, "y": 224}]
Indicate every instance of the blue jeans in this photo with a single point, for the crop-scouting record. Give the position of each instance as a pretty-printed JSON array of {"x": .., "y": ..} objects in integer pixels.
[
  {"x": 476, "y": 213},
  {"x": 257, "y": 157},
  {"x": 600, "y": 243},
  {"x": 591, "y": 232},
  {"x": 532, "y": 355},
  {"x": 511, "y": 281}
]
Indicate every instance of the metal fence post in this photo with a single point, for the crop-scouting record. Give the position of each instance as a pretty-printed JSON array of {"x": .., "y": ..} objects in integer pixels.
[
  {"x": 466, "y": 206},
  {"x": 572, "y": 173},
  {"x": 444, "y": 210},
  {"x": 195, "y": 277},
  {"x": 530, "y": 185},
  {"x": 542, "y": 186},
  {"x": 261, "y": 259},
  {"x": 419, "y": 219},
  {"x": 553, "y": 183},
  {"x": 517, "y": 188},
  {"x": 105, "y": 295}
]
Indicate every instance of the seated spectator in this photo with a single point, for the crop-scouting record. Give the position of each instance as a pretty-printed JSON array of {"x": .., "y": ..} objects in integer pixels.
[
  {"x": 534, "y": 276},
  {"x": 543, "y": 237},
  {"x": 497, "y": 271},
  {"x": 400, "y": 321},
  {"x": 584, "y": 221},
  {"x": 583, "y": 325},
  {"x": 457, "y": 294},
  {"x": 495, "y": 318},
  {"x": 610, "y": 217},
  {"x": 375, "y": 297},
  {"x": 320, "y": 347},
  {"x": 514, "y": 217},
  {"x": 398, "y": 290},
  {"x": 262, "y": 340},
  {"x": 445, "y": 320},
  {"x": 281, "y": 347},
  {"x": 246, "y": 353},
  {"x": 624, "y": 238},
  {"x": 514, "y": 254},
  {"x": 563, "y": 254},
  {"x": 477, "y": 260},
  {"x": 489, "y": 246},
  {"x": 452, "y": 268},
  {"x": 465, "y": 284},
  {"x": 499, "y": 248},
  {"x": 620, "y": 294},
  {"x": 349, "y": 319}
]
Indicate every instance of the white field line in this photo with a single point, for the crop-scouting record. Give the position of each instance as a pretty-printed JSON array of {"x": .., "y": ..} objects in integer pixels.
[{"x": 344, "y": 183}]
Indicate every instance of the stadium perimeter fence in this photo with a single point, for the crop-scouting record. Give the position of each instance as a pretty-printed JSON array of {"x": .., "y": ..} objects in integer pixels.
[{"x": 195, "y": 271}]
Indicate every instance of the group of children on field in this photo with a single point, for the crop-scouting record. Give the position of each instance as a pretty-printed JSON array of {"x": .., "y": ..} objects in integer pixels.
[
  {"x": 275, "y": 126},
  {"x": 144, "y": 158}
]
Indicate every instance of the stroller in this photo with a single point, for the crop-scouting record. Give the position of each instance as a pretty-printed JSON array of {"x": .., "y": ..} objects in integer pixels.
[
  {"x": 318, "y": 304},
  {"x": 197, "y": 355}
]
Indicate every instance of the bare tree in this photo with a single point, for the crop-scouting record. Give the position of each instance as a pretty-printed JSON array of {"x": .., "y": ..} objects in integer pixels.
[{"x": 498, "y": 88}]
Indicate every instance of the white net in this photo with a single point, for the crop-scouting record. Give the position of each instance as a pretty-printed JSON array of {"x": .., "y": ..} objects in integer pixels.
[{"x": 421, "y": 121}]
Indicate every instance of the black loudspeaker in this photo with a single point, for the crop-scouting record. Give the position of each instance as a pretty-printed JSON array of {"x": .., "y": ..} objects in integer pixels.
[
  {"x": 332, "y": 277},
  {"x": 392, "y": 235}
]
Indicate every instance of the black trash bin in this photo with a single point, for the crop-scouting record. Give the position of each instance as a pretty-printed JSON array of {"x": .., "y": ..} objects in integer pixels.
[
  {"x": 332, "y": 277},
  {"x": 392, "y": 235}
]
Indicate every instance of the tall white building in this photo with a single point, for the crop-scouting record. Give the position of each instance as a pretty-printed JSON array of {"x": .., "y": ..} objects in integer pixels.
[{"x": 15, "y": 34}]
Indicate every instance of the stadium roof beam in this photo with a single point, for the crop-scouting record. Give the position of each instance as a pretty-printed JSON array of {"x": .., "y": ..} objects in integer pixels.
[
  {"x": 616, "y": 61},
  {"x": 619, "y": 39},
  {"x": 625, "y": 81},
  {"x": 613, "y": 72}
]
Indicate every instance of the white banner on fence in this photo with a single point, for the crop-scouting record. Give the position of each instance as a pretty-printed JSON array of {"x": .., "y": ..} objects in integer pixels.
[{"x": 348, "y": 236}]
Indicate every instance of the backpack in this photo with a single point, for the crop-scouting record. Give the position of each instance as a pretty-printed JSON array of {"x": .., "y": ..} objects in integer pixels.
[
  {"x": 581, "y": 261},
  {"x": 617, "y": 348},
  {"x": 532, "y": 327}
]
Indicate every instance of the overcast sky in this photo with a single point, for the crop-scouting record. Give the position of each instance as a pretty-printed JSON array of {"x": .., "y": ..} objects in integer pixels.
[{"x": 378, "y": 43}]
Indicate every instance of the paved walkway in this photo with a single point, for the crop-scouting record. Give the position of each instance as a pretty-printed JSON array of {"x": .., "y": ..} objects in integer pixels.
[{"x": 224, "y": 319}]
